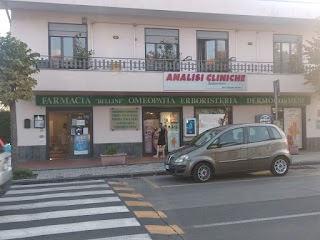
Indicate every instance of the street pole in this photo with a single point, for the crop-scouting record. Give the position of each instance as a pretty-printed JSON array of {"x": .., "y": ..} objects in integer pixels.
[
  {"x": 276, "y": 90},
  {"x": 276, "y": 102}
]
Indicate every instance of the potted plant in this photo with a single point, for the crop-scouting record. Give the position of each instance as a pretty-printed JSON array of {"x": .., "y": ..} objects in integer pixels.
[
  {"x": 112, "y": 157},
  {"x": 82, "y": 56}
]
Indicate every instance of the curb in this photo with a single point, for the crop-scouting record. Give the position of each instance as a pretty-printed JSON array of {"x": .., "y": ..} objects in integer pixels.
[
  {"x": 121, "y": 175},
  {"x": 305, "y": 163},
  {"x": 97, "y": 166},
  {"x": 88, "y": 177}
]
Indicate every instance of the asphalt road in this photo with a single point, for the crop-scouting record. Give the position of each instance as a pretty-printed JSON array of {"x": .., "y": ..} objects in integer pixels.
[{"x": 242, "y": 207}]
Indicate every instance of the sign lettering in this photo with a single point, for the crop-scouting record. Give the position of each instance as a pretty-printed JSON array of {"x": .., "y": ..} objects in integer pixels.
[
  {"x": 124, "y": 119},
  {"x": 168, "y": 101}
]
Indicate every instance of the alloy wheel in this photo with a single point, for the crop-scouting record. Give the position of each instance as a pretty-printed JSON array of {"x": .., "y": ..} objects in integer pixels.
[
  {"x": 280, "y": 166},
  {"x": 204, "y": 173}
]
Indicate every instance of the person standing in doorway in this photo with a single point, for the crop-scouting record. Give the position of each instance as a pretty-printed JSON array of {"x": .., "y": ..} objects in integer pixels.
[
  {"x": 161, "y": 147},
  {"x": 155, "y": 137},
  {"x": 64, "y": 138}
]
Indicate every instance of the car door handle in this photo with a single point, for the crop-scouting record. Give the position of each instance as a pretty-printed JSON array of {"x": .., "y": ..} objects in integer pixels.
[{"x": 244, "y": 148}]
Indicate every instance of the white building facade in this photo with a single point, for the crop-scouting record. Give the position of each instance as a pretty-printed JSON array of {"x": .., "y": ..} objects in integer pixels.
[{"x": 111, "y": 71}]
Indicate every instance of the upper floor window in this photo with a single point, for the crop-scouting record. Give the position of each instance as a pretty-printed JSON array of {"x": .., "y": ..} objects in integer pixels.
[
  {"x": 212, "y": 50},
  {"x": 66, "y": 40},
  {"x": 162, "y": 49},
  {"x": 287, "y": 53}
]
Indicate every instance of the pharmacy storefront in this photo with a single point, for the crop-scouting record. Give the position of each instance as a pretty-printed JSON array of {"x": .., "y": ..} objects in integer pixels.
[{"x": 83, "y": 126}]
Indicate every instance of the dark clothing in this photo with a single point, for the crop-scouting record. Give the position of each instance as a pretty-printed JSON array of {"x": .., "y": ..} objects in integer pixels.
[{"x": 162, "y": 137}]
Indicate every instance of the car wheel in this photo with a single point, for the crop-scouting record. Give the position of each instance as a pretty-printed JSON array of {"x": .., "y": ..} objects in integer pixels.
[
  {"x": 202, "y": 172},
  {"x": 280, "y": 166}
]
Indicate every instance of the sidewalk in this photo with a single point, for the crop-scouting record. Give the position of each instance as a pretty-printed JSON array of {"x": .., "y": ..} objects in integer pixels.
[{"x": 67, "y": 170}]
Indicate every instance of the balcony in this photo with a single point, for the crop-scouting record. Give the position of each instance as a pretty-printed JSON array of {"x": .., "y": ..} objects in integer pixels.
[{"x": 163, "y": 65}]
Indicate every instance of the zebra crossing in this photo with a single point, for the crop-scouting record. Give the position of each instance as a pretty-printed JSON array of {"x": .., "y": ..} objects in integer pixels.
[{"x": 69, "y": 210}]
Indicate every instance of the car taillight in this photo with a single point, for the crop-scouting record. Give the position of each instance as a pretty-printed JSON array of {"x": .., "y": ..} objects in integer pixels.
[{"x": 287, "y": 144}]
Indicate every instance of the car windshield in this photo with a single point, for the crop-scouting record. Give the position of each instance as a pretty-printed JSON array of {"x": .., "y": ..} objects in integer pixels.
[{"x": 206, "y": 136}]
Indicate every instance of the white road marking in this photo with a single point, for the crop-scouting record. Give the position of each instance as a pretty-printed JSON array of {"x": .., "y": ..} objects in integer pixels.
[
  {"x": 59, "y": 203},
  {"x": 127, "y": 237},
  {"x": 254, "y": 220},
  {"x": 55, "y": 195},
  {"x": 68, "y": 228},
  {"x": 42, "y": 190},
  {"x": 55, "y": 184},
  {"x": 62, "y": 214}
]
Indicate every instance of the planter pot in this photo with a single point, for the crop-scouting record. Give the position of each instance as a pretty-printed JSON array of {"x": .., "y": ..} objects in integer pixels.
[
  {"x": 294, "y": 149},
  {"x": 115, "y": 159}
]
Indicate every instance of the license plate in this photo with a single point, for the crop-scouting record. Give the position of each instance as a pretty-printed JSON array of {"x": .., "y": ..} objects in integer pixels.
[{"x": 167, "y": 166}]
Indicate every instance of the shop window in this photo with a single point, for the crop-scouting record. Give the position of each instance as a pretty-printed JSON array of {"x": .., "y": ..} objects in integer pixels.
[
  {"x": 280, "y": 116},
  {"x": 212, "y": 117},
  {"x": 70, "y": 134},
  {"x": 162, "y": 49},
  {"x": 170, "y": 120},
  {"x": 287, "y": 53},
  {"x": 212, "y": 50}
]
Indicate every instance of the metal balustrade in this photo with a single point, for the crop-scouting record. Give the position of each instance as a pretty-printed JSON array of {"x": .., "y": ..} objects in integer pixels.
[{"x": 168, "y": 65}]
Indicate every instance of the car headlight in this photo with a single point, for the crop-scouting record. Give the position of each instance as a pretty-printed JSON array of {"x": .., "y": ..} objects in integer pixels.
[{"x": 182, "y": 159}]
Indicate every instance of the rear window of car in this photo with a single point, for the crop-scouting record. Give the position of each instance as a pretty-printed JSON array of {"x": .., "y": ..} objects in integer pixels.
[
  {"x": 1, "y": 149},
  {"x": 275, "y": 133},
  {"x": 258, "y": 134}
]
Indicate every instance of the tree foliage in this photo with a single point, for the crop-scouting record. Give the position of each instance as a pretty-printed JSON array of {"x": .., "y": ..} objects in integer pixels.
[
  {"x": 312, "y": 55},
  {"x": 17, "y": 64}
]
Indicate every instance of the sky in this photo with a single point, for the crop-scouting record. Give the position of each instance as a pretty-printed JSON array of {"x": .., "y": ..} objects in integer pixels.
[{"x": 4, "y": 23}]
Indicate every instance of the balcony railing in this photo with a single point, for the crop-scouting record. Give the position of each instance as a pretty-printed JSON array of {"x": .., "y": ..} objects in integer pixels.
[{"x": 138, "y": 65}]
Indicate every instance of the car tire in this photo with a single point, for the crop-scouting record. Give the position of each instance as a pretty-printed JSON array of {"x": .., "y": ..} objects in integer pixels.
[
  {"x": 280, "y": 166},
  {"x": 202, "y": 172}
]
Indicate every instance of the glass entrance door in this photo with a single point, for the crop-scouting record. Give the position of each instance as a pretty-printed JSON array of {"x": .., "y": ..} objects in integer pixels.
[
  {"x": 171, "y": 120},
  {"x": 70, "y": 134}
]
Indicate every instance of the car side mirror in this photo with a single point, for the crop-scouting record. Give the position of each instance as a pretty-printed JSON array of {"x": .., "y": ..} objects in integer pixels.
[{"x": 215, "y": 145}]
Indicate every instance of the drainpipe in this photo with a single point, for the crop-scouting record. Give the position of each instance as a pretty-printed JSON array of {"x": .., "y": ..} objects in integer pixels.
[
  {"x": 134, "y": 40},
  {"x": 236, "y": 44},
  {"x": 92, "y": 34},
  {"x": 257, "y": 47},
  {"x": 7, "y": 11}
]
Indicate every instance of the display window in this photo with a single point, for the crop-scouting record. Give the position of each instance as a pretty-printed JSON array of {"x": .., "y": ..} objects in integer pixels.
[
  {"x": 171, "y": 122},
  {"x": 70, "y": 134},
  {"x": 212, "y": 117}
]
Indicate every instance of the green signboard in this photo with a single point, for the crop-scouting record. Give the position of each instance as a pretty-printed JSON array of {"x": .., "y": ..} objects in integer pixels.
[{"x": 166, "y": 100}]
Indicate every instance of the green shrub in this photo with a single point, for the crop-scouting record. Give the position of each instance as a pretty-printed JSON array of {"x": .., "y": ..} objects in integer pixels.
[
  {"x": 111, "y": 150},
  {"x": 22, "y": 173}
]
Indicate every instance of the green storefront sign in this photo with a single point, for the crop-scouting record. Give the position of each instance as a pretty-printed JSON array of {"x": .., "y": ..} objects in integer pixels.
[{"x": 165, "y": 101}]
